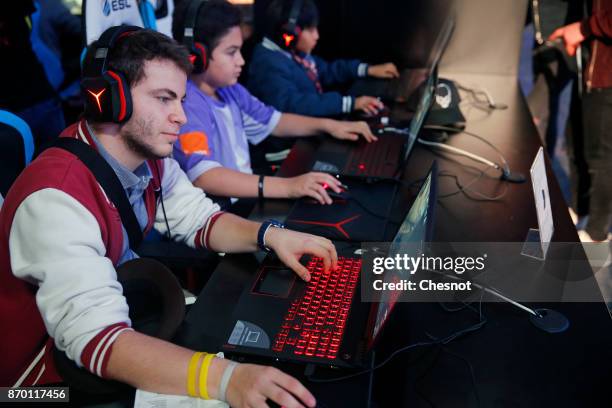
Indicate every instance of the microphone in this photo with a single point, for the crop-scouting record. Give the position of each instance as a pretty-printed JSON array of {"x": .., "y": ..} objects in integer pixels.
[{"x": 544, "y": 319}]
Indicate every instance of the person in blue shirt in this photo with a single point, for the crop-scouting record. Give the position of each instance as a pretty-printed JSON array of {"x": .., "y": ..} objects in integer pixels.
[
  {"x": 223, "y": 117},
  {"x": 292, "y": 79}
]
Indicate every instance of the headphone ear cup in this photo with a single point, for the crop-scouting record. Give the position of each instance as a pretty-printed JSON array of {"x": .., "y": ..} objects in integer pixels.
[
  {"x": 200, "y": 60},
  {"x": 289, "y": 37},
  {"x": 121, "y": 98},
  {"x": 98, "y": 98}
]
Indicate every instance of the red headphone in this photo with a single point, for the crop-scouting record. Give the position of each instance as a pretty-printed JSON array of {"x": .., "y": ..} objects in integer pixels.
[
  {"x": 198, "y": 50},
  {"x": 106, "y": 92}
]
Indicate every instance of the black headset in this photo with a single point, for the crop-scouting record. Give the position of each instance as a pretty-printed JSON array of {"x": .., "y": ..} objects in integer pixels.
[
  {"x": 290, "y": 31},
  {"x": 106, "y": 92},
  {"x": 198, "y": 51}
]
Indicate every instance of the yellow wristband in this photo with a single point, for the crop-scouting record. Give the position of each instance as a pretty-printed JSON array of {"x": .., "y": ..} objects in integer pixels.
[
  {"x": 191, "y": 373},
  {"x": 204, "y": 376}
]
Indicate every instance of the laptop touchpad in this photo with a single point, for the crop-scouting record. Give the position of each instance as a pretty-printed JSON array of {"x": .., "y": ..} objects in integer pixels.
[{"x": 275, "y": 282}]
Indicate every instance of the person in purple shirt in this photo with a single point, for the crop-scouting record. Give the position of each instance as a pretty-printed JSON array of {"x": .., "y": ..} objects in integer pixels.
[{"x": 223, "y": 117}]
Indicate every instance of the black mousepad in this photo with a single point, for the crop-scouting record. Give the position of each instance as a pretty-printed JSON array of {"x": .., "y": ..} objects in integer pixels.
[{"x": 360, "y": 216}]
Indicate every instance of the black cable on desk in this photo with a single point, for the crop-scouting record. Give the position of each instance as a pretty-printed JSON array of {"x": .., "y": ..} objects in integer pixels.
[
  {"x": 447, "y": 350},
  {"x": 465, "y": 189}
]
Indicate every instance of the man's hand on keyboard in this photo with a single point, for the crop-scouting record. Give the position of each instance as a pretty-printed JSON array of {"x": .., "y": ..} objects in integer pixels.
[
  {"x": 291, "y": 245},
  {"x": 345, "y": 130},
  {"x": 387, "y": 70}
]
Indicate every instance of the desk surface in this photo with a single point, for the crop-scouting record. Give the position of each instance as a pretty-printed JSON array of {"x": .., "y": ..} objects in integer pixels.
[{"x": 508, "y": 362}]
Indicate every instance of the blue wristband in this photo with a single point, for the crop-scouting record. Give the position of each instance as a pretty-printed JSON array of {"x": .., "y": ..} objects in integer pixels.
[{"x": 261, "y": 234}]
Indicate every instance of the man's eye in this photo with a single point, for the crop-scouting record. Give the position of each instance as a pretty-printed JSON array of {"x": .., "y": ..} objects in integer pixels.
[{"x": 163, "y": 99}]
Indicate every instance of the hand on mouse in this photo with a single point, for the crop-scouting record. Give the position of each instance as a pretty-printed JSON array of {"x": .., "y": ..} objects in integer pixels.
[{"x": 313, "y": 185}]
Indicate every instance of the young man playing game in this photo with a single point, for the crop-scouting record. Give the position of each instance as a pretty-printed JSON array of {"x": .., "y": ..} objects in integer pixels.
[{"x": 61, "y": 238}]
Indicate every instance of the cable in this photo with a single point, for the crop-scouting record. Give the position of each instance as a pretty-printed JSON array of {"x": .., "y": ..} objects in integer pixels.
[
  {"x": 507, "y": 174},
  {"x": 470, "y": 368},
  {"x": 455, "y": 150},
  {"x": 418, "y": 380},
  {"x": 448, "y": 351},
  {"x": 444, "y": 340},
  {"x": 489, "y": 99},
  {"x": 490, "y": 290},
  {"x": 161, "y": 198},
  {"x": 466, "y": 188},
  {"x": 482, "y": 139},
  {"x": 461, "y": 152}
]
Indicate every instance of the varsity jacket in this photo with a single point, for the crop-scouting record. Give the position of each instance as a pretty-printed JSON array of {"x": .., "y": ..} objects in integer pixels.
[{"x": 60, "y": 241}]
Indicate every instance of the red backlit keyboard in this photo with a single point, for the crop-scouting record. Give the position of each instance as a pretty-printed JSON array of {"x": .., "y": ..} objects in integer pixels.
[{"x": 315, "y": 322}]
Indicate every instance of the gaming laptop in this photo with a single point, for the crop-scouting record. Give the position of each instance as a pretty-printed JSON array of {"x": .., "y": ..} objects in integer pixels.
[
  {"x": 322, "y": 321},
  {"x": 386, "y": 157}
]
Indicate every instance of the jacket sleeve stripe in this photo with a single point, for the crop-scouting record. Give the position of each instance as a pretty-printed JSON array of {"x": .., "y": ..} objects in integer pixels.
[
  {"x": 103, "y": 359},
  {"x": 208, "y": 228},
  {"x": 91, "y": 352}
]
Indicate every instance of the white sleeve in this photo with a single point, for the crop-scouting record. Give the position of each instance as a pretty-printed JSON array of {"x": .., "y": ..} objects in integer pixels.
[
  {"x": 187, "y": 208},
  {"x": 200, "y": 168},
  {"x": 55, "y": 243},
  {"x": 256, "y": 131}
]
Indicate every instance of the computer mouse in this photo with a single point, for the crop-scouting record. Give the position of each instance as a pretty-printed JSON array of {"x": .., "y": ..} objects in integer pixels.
[{"x": 343, "y": 195}]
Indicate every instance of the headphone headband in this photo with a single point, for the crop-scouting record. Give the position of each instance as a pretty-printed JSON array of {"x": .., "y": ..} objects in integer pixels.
[
  {"x": 190, "y": 22},
  {"x": 294, "y": 14},
  {"x": 108, "y": 39}
]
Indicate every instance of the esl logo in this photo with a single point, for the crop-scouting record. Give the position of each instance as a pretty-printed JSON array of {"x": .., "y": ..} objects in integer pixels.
[{"x": 115, "y": 5}]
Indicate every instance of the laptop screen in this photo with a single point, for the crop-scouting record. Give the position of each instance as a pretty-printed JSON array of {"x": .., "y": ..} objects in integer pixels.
[
  {"x": 419, "y": 116},
  {"x": 417, "y": 228}
]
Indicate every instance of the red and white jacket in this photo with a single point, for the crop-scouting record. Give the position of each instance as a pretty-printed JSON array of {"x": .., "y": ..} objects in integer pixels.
[{"x": 60, "y": 241}]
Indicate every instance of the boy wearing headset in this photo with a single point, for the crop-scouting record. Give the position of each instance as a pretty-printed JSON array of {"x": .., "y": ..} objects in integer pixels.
[
  {"x": 61, "y": 238},
  {"x": 285, "y": 74},
  {"x": 223, "y": 117}
]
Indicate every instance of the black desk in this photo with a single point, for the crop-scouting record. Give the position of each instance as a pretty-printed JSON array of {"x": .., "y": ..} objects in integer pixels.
[{"x": 514, "y": 364}]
